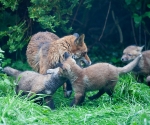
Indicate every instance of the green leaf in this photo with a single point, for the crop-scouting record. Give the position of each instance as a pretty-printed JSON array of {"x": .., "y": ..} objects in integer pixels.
[
  {"x": 147, "y": 14},
  {"x": 1, "y": 51},
  {"x": 137, "y": 18},
  {"x": 138, "y": 5},
  {"x": 148, "y": 5},
  {"x": 128, "y": 2}
]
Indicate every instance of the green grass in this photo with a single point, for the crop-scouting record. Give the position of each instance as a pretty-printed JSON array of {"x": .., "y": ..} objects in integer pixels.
[{"x": 129, "y": 106}]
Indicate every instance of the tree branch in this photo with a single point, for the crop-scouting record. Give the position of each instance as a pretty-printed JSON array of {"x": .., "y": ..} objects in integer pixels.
[
  {"x": 105, "y": 21},
  {"x": 118, "y": 27}
]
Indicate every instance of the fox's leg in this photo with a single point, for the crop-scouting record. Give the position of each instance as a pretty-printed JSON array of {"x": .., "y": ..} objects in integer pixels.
[
  {"x": 17, "y": 89},
  {"x": 48, "y": 99},
  {"x": 110, "y": 92},
  {"x": 78, "y": 99},
  {"x": 67, "y": 87},
  {"x": 64, "y": 89},
  {"x": 49, "y": 102},
  {"x": 96, "y": 96},
  {"x": 141, "y": 78}
]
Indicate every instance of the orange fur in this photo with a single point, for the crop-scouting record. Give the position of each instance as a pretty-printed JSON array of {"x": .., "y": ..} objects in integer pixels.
[{"x": 45, "y": 50}]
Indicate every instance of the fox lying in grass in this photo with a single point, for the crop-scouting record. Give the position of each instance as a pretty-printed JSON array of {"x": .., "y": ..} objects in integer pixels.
[
  {"x": 100, "y": 76},
  {"x": 31, "y": 82},
  {"x": 143, "y": 67},
  {"x": 45, "y": 50}
]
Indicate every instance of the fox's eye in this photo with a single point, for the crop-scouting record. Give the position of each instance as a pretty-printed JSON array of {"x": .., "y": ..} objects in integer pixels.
[{"x": 129, "y": 55}]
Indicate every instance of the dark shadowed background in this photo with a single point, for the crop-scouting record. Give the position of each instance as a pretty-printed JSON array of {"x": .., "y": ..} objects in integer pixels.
[{"x": 109, "y": 25}]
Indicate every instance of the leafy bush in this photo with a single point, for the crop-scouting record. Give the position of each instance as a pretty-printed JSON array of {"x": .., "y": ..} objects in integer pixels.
[
  {"x": 17, "y": 18},
  {"x": 136, "y": 8}
]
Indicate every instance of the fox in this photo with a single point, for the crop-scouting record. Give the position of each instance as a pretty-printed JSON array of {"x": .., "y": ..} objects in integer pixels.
[
  {"x": 31, "y": 82},
  {"x": 45, "y": 50},
  {"x": 99, "y": 76},
  {"x": 142, "y": 69}
]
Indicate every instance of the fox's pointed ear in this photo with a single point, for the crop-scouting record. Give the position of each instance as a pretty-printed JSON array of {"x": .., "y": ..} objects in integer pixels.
[
  {"x": 80, "y": 40},
  {"x": 66, "y": 55},
  {"x": 76, "y": 35},
  {"x": 140, "y": 48}
]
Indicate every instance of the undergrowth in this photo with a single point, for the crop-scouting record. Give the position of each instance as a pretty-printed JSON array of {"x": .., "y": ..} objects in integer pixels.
[{"x": 129, "y": 106}]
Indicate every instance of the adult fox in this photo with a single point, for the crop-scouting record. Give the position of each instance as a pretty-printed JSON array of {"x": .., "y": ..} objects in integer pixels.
[{"x": 45, "y": 50}]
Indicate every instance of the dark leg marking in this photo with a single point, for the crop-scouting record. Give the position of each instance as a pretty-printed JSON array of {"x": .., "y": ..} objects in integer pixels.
[
  {"x": 96, "y": 96},
  {"x": 67, "y": 89}
]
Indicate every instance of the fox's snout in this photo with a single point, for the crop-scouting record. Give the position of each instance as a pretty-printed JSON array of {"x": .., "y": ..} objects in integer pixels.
[
  {"x": 127, "y": 58},
  {"x": 82, "y": 62},
  {"x": 124, "y": 59}
]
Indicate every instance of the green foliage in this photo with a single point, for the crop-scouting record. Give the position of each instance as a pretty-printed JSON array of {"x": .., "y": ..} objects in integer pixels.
[
  {"x": 13, "y": 4},
  {"x": 3, "y": 61},
  {"x": 138, "y": 10},
  {"x": 109, "y": 55},
  {"x": 1, "y": 53},
  {"x": 21, "y": 65},
  {"x": 6, "y": 85},
  {"x": 88, "y": 3},
  {"x": 15, "y": 41},
  {"x": 15, "y": 23},
  {"x": 52, "y": 14}
]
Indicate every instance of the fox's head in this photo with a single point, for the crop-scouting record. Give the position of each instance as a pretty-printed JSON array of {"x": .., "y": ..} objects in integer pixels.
[
  {"x": 79, "y": 50},
  {"x": 130, "y": 53},
  {"x": 69, "y": 66}
]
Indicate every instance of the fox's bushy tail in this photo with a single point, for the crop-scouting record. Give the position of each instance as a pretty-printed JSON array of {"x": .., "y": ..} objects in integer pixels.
[
  {"x": 11, "y": 71},
  {"x": 129, "y": 67}
]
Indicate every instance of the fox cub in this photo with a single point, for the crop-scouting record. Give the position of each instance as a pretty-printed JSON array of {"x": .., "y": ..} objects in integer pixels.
[
  {"x": 143, "y": 67},
  {"x": 100, "y": 76},
  {"x": 45, "y": 50},
  {"x": 31, "y": 82}
]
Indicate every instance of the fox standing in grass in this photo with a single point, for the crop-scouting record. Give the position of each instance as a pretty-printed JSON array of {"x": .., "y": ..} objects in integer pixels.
[
  {"x": 100, "y": 76},
  {"x": 31, "y": 82},
  {"x": 143, "y": 67},
  {"x": 45, "y": 50}
]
